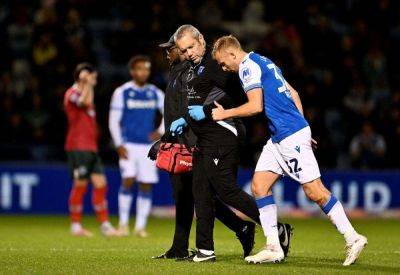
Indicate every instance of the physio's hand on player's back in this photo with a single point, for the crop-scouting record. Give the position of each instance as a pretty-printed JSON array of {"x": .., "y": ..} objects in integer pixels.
[
  {"x": 196, "y": 112},
  {"x": 122, "y": 152},
  {"x": 177, "y": 126}
]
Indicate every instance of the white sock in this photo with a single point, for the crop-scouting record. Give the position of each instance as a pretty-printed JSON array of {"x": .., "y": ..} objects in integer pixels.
[
  {"x": 124, "y": 206},
  {"x": 334, "y": 209},
  {"x": 143, "y": 208},
  {"x": 269, "y": 219},
  {"x": 206, "y": 252}
]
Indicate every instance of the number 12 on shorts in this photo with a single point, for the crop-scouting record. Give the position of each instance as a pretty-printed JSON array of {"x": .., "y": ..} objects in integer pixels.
[{"x": 293, "y": 165}]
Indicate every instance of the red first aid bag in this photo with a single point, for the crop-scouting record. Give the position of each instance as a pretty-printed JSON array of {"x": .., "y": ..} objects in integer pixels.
[{"x": 175, "y": 158}]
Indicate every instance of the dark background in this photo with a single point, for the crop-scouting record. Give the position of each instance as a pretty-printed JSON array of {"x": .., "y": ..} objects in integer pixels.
[{"x": 341, "y": 56}]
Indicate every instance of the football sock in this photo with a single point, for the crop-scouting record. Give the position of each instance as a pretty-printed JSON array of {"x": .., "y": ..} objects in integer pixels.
[
  {"x": 99, "y": 202},
  {"x": 124, "y": 205},
  {"x": 206, "y": 252},
  {"x": 75, "y": 203},
  {"x": 268, "y": 217},
  {"x": 334, "y": 209},
  {"x": 143, "y": 208}
]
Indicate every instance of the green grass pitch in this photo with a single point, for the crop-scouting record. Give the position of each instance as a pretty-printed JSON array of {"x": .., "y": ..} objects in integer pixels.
[{"x": 42, "y": 245}]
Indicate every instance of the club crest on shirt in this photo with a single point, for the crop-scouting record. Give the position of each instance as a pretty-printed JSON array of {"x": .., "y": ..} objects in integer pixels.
[
  {"x": 190, "y": 74},
  {"x": 200, "y": 70},
  {"x": 132, "y": 94},
  {"x": 246, "y": 73}
]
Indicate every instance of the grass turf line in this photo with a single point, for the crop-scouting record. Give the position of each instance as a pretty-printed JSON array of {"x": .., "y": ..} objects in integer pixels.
[{"x": 42, "y": 245}]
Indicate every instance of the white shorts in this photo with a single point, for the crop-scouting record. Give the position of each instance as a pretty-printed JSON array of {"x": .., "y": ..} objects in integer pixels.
[
  {"x": 293, "y": 157},
  {"x": 138, "y": 165}
]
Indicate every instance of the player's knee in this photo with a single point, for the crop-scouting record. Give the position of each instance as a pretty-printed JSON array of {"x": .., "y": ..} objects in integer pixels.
[
  {"x": 258, "y": 188},
  {"x": 145, "y": 188},
  {"x": 99, "y": 184},
  {"x": 98, "y": 180},
  {"x": 128, "y": 183}
]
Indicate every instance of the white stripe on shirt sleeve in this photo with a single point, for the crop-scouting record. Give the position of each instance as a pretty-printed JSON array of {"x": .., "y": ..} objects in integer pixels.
[
  {"x": 115, "y": 116},
  {"x": 114, "y": 124},
  {"x": 117, "y": 99},
  {"x": 160, "y": 100},
  {"x": 160, "y": 106}
]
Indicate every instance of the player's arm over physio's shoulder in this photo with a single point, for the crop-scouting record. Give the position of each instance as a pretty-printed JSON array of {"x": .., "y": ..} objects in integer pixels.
[
  {"x": 255, "y": 103},
  {"x": 253, "y": 106}
]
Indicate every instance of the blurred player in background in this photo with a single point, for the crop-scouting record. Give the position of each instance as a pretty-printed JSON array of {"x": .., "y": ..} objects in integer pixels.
[
  {"x": 81, "y": 147},
  {"x": 133, "y": 112},
  {"x": 287, "y": 152}
]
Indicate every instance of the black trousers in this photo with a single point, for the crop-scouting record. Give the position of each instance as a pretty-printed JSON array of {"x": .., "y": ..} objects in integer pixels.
[
  {"x": 182, "y": 185},
  {"x": 215, "y": 173}
]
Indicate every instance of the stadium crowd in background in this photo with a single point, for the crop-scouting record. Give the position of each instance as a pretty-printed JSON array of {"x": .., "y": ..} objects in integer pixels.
[{"x": 342, "y": 59}]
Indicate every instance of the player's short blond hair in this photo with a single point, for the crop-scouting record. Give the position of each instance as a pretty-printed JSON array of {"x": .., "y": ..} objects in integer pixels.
[{"x": 225, "y": 42}]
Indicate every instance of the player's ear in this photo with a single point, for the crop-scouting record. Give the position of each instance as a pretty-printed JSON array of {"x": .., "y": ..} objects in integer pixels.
[{"x": 201, "y": 39}]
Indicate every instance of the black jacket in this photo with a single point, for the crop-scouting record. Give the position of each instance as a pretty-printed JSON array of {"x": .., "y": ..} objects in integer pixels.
[{"x": 175, "y": 102}]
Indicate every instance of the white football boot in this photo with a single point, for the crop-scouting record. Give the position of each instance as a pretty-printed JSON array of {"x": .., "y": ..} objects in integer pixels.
[
  {"x": 79, "y": 231},
  {"x": 270, "y": 254},
  {"x": 108, "y": 230},
  {"x": 354, "y": 250},
  {"x": 141, "y": 233}
]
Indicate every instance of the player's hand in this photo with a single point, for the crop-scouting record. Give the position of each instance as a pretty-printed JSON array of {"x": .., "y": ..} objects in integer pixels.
[
  {"x": 122, "y": 152},
  {"x": 219, "y": 112},
  {"x": 314, "y": 144},
  {"x": 196, "y": 112},
  {"x": 155, "y": 136}
]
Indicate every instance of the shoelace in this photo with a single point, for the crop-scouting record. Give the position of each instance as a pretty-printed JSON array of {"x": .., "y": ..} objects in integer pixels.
[{"x": 348, "y": 250}]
